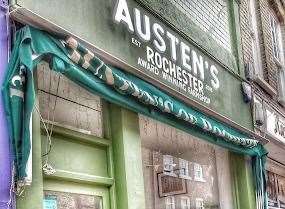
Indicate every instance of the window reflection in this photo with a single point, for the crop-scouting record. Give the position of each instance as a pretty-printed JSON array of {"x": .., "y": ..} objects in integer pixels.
[{"x": 180, "y": 171}]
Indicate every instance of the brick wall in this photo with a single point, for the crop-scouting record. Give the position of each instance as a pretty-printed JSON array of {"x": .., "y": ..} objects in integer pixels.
[
  {"x": 211, "y": 16},
  {"x": 245, "y": 31}
]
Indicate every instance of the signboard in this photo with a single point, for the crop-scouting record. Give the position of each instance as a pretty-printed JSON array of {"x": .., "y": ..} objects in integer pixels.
[
  {"x": 170, "y": 185},
  {"x": 163, "y": 54},
  {"x": 275, "y": 125},
  {"x": 130, "y": 36}
]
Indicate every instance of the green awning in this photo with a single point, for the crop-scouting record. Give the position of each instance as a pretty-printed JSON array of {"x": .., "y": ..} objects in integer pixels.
[{"x": 81, "y": 66}]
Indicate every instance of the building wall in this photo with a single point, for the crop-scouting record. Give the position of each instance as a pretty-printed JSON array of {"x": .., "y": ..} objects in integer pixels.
[
  {"x": 269, "y": 67},
  {"x": 270, "y": 74}
]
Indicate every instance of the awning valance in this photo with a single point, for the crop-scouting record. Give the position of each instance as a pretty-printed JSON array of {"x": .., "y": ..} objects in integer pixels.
[{"x": 84, "y": 68}]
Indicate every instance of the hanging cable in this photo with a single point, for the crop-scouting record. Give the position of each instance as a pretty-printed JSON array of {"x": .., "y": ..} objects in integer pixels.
[{"x": 47, "y": 168}]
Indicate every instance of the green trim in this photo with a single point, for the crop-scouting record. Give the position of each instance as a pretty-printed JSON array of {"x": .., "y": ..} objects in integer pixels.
[
  {"x": 72, "y": 187},
  {"x": 81, "y": 178},
  {"x": 106, "y": 120},
  {"x": 242, "y": 181},
  {"x": 236, "y": 35},
  {"x": 75, "y": 135},
  {"x": 127, "y": 157},
  {"x": 111, "y": 173},
  {"x": 179, "y": 22}
]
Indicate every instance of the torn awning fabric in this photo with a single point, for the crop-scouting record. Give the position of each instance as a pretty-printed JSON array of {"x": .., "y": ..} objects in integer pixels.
[{"x": 81, "y": 66}]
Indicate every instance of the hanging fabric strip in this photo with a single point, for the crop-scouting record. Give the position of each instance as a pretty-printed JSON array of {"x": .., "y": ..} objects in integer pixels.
[{"x": 81, "y": 66}]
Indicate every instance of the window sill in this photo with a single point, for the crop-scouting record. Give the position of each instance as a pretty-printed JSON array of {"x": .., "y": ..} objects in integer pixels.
[{"x": 263, "y": 84}]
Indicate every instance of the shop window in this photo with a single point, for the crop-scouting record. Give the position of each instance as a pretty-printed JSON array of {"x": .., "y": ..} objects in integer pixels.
[
  {"x": 185, "y": 203},
  {"x": 64, "y": 103},
  {"x": 198, "y": 172},
  {"x": 199, "y": 203},
  {"x": 177, "y": 164},
  {"x": 184, "y": 169},
  {"x": 169, "y": 203},
  {"x": 275, "y": 190},
  {"x": 210, "y": 16},
  {"x": 278, "y": 53},
  {"x": 281, "y": 191}
]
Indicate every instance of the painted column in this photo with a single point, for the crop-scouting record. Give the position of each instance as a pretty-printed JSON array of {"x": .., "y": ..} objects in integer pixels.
[
  {"x": 5, "y": 165},
  {"x": 127, "y": 159}
]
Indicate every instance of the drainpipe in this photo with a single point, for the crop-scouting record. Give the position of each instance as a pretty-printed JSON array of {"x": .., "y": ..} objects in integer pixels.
[{"x": 6, "y": 197}]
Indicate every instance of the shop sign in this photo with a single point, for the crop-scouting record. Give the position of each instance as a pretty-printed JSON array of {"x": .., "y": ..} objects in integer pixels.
[
  {"x": 275, "y": 125},
  {"x": 128, "y": 35},
  {"x": 166, "y": 56}
]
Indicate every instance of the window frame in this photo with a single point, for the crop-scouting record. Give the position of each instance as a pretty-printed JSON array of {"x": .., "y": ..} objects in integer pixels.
[{"x": 276, "y": 39}]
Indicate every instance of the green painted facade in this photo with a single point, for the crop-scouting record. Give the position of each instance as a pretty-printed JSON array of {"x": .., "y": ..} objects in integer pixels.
[
  {"x": 97, "y": 27},
  {"x": 111, "y": 166}
]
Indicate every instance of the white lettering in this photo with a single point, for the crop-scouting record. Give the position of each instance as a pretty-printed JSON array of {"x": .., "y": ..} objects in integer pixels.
[
  {"x": 122, "y": 14},
  {"x": 185, "y": 50},
  {"x": 198, "y": 65},
  {"x": 159, "y": 44},
  {"x": 145, "y": 36},
  {"x": 173, "y": 42},
  {"x": 214, "y": 73}
]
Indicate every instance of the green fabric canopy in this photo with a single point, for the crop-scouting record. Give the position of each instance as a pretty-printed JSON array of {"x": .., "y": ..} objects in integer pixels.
[{"x": 81, "y": 66}]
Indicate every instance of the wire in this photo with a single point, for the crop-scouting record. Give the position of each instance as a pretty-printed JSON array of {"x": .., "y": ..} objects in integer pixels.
[{"x": 49, "y": 133}]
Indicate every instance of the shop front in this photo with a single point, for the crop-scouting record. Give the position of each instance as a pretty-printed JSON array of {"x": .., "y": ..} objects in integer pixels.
[
  {"x": 118, "y": 109},
  {"x": 272, "y": 127}
]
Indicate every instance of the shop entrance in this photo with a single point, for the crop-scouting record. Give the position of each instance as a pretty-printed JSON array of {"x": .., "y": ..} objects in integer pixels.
[{"x": 76, "y": 156}]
